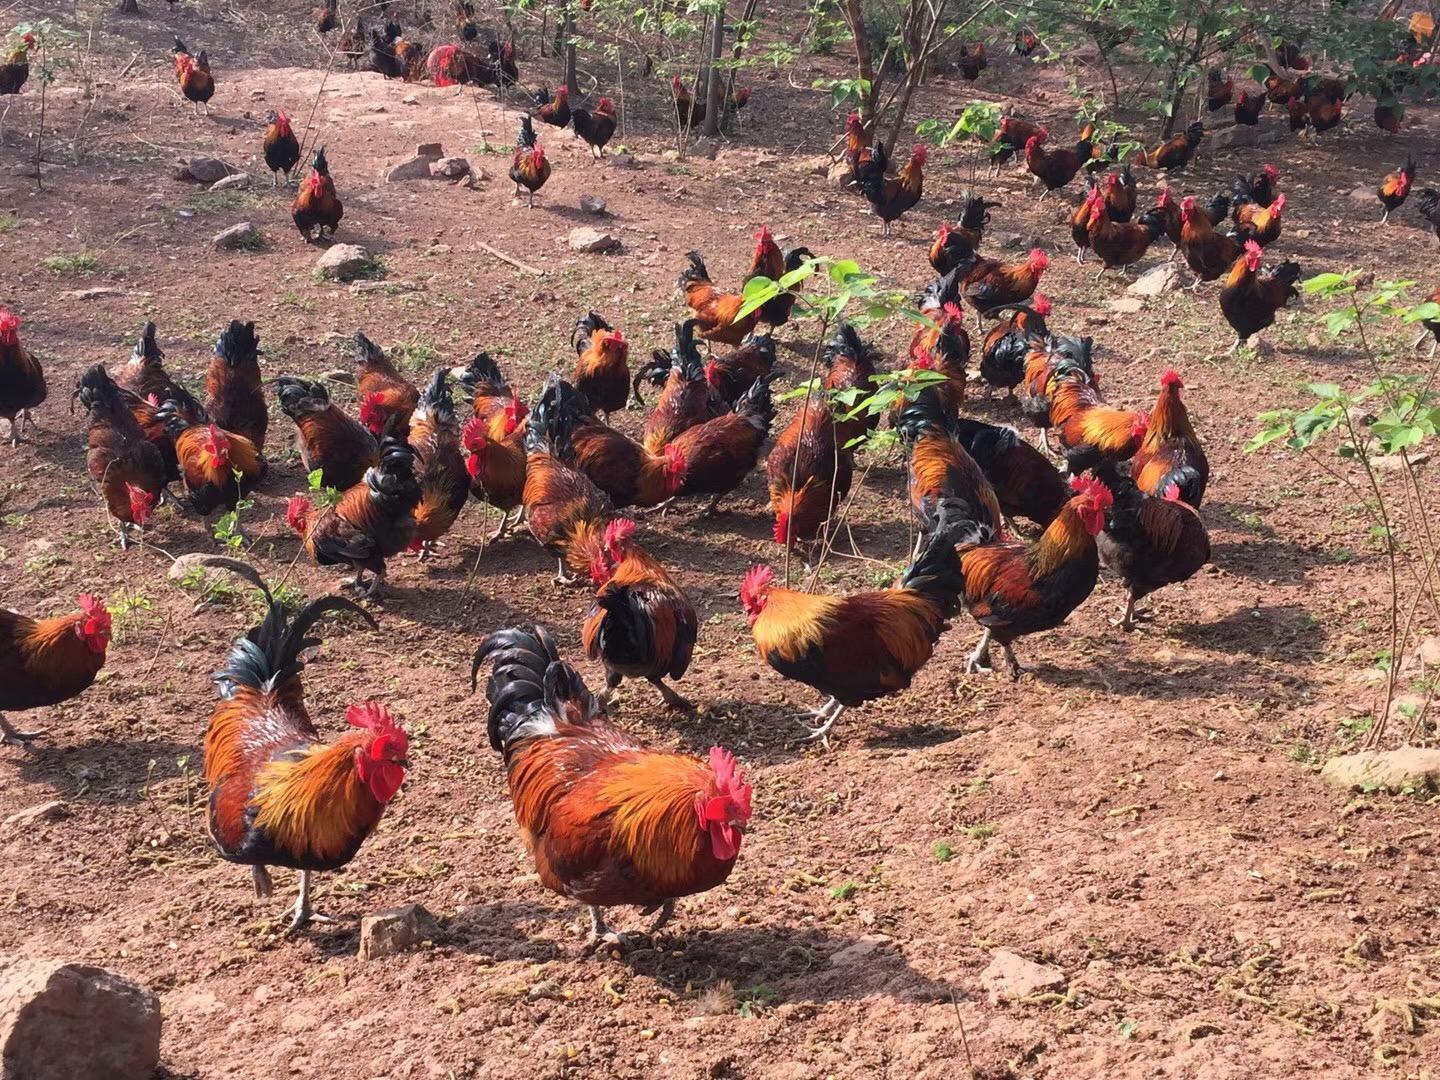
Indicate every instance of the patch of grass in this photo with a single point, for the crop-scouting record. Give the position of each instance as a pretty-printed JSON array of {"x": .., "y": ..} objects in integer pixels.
[
  {"x": 294, "y": 300},
  {"x": 8, "y": 223},
  {"x": 14, "y": 521},
  {"x": 943, "y": 851},
  {"x": 756, "y": 1000},
  {"x": 980, "y": 832},
  {"x": 72, "y": 262},
  {"x": 1342, "y": 555},
  {"x": 128, "y": 611},
  {"x": 414, "y": 355},
  {"x": 1303, "y": 752},
  {"x": 40, "y": 563},
  {"x": 844, "y": 891}
]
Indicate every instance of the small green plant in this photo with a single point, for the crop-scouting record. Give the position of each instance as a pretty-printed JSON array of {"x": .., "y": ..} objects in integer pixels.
[
  {"x": 14, "y": 521},
  {"x": 321, "y": 496},
  {"x": 8, "y": 223},
  {"x": 1127, "y": 1028},
  {"x": 39, "y": 563},
  {"x": 285, "y": 595},
  {"x": 127, "y": 613},
  {"x": 227, "y": 525},
  {"x": 980, "y": 832},
  {"x": 414, "y": 354},
  {"x": 755, "y": 1000},
  {"x": 83, "y": 263},
  {"x": 213, "y": 588},
  {"x": 943, "y": 851},
  {"x": 1303, "y": 752},
  {"x": 844, "y": 891}
]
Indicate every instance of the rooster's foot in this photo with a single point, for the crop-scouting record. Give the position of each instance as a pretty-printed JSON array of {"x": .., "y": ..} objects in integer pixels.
[
  {"x": 667, "y": 912},
  {"x": 9, "y": 736},
  {"x": 671, "y": 698},
  {"x": 601, "y": 936}
]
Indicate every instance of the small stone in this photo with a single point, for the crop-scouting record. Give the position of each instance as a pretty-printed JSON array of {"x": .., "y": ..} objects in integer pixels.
[
  {"x": 1127, "y": 305},
  {"x": 342, "y": 262},
  {"x": 1233, "y": 138},
  {"x": 1396, "y": 463},
  {"x": 417, "y": 168},
  {"x": 430, "y": 151},
  {"x": 203, "y": 170},
  {"x": 1027, "y": 242},
  {"x": 239, "y": 181},
  {"x": 592, "y": 241},
  {"x": 31, "y": 815},
  {"x": 360, "y": 288},
  {"x": 1429, "y": 652},
  {"x": 1010, "y": 975},
  {"x": 410, "y": 99},
  {"x": 396, "y": 930},
  {"x": 1364, "y": 193},
  {"x": 592, "y": 204},
  {"x": 1156, "y": 281},
  {"x": 857, "y": 951},
  {"x": 98, "y": 292},
  {"x": 839, "y": 174},
  {"x": 243, "y": 235},
  {"x": 703, "y": 148},
  {"x": 623, "y": 160},
  {"x": 451, "y": 168},
  {"x": 439, "y": 249},
  {"x": 65, "y": 1021},
  {"x": 1414, "y": 768},
  {"x": 812, "y": 166}
]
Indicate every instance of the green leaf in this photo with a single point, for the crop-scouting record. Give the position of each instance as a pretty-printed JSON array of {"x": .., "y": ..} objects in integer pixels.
[
  {"x": 759, "y": 291},
  {"x": 1337, "y": 322},
  {"x": 1326, "y": 283},
  {"x": 1324, "y": 391},
  {"x": 1266, "y": 436},
  {"x": 842, "y": 270}
]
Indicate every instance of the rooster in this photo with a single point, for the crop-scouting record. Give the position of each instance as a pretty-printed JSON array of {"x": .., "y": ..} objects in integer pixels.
[
  {"x": 147, "y": 384},
  {"x": 715, "y": 312},
  {"x": 941, "y": 470},
  {"x": 373, "y": 521},
  {"x": 47, "y": 661},
  {"x": 597, "y": 128},
  {"x": 1120, "y": 245},
  {"x": 689, "y": 113},
  {"x": 1206, "y": 252},
  {"x": 767, "y": 261},
  {"x": 317, "y": 207},
  {"x": 1324, "y": 101},
  {"x": 955, "y": 244},
  {"x": 1259, "y": 223},
  {"x": 618, "y": 465},
  {"x": 1249, "y": 300},
  {"x": 1259, "y": 188},
  {"x": 1278, "y": 89},
  {"x": 608, "y": 821},
  {"x": 1089, "y": 430},
  {"x": 1003, "y": 352},
  {"x": 1150, "y": 541},
  {"x": 22, "y": 379},
  {"x": 850, "y": 378},
  {"x": 1388, "y": 113},
  {"x": 808, "y": 473},
  {"x": 1055, "y": 168},
  {"x": 1013, "y": 589},
  {"x": 494, "y": 441},
  {"x": 278, "y": 795},
  {"x": 1248, "y": 108},
  {"x": 234, "y": 396},
  {"x": 282, "y": 149},
  {"x": 1218, "y": 89},
  {"x": 15, "y": 70},
  {"x": 1026, "y": 484},
  {"x": 325, "y": 16},
  {"x": 216, "y": 466},
  {"x": 1171, "y": 452},
  {"x": 554, "y": 111},
  {"x": 530, "y": 167},
  {"x": 732, "y": 374},
  {"x": 1432, "y": 327},
  {"x": 947, "y": 347},
  {"x": 328, "y": 439},
  {"x": 1175, "y": 153},
  {"x": 972, "y": 61},
  {"x": 687, "y": 398},
  {"x": 1025, "y": 42},
  {"x": 720, "y": 453},
  {"x": 1048, "y": 357},
  {"x": 384, "y": 394},
  {"x": 859, "y": 647},
  {"x": 641, "y": 624},
  {"x": 193, "y": 73},
  {"x": 857, "y": 146},
  {"x": 891, "y": 196},
  {"x": 566, "y": 512},
  {"x": 353, "y": 42},
  {"x": 989, "y": 285},
  {"x": 1429, "y": 202},
  {"x": 602, "y": 368},
  {"x": 1011, "y": 138},
  {"x": 128, "y": 467},
  {"x": 1394, "y": 189},
  {"x": 440, "y": 468}
]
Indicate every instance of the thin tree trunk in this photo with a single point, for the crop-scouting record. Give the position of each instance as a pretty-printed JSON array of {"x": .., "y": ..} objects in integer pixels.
[
  {"x": 739, "y": 49},
  {"x": 129, "y": 7},
  {"x": 715, "y": 98},
  {"x": 864, "y": 61},
  {"x": 569, "y": 31}
]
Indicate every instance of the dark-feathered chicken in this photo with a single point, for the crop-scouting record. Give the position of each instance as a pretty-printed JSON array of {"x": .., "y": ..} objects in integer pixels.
[
  {"x": 1394, "y": 189},
  {"x": 282, "y": 149},
  {"x": 439, "y": 466},
  {"x": 1248, "y": 108},
  {"x": 1025, "y": 482},
  {"x": 1003, "y": 353},
  {"x": 687, "y": 398},
  {"x": 597, "y": 128},
  {"x": 1218, "y": 89},
  {"x": 720, "y": 453},
  {"x": 234, "y": 396},
  {"x": 317, "y": 208},
  {"x": 122, "y": 461},
  {"x": 327, "y": 438},
  {"x": 22, "y": 379},
  {"x": 891, "y": 196},
  {"x": 1175, "y": 152},
  {"x": 1249, "y": 300}
]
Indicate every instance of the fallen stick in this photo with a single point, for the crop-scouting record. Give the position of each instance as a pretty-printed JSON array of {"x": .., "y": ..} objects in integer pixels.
[{"x": 507, "y": 259}]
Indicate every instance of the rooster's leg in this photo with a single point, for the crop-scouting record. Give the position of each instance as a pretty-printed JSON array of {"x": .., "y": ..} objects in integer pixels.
[
  {"x": 503, "y": 528},
  {"x": 1239, "y": 344},
  {"x": 263, "y": 885},
  {"x": 714, "y": 507},
  {"x": 671, "y": 698},
  {"x": 1385, "y": 220},
  {"x": 667, "y": 912},
  {"x": 600, "y": 934},
  {"x": 827, "y": 714},
  {"x": 562, "y": 578},
  {"x": 1127, "y": 620},
  {"x": 10, "y": 737},
  {"x": 304, "y": 913},
  {"x": 1015, "y": 669},
  {"x": 979, "y": 660}
]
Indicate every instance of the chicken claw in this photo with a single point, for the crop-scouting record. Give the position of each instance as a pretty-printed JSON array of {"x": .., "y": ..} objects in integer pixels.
[
  {"x": 601, "y": 935},
  {"x": 9, "y": 736},
  {"x": 978, "y": 663},
  {"x": 827, "y": 714}
]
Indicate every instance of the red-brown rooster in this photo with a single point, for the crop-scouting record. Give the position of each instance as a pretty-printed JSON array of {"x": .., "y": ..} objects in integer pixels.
[
  {"x": 608, "y": 821},
  {"x": 859, "y": 647},
  {"x": 1055, "y": 168},
  {"x": 22, "y": 379},
  {"x": 1250, "y": 300},
  {"x": 317, "y": 208},
  {"x": 808, "y": 473},
  {"x": 373, "y": 521},
  {"x": 602, "y": 363},
  {"x": 278, "y": 795},
  {"x": 1259, "y": 223},
  {"x": 530, "y": 167},
  {"x": 494, "y": 440},
  {"x": 940, "y": 469},
  {"x": 217, "y": 467},
  {"x": 687, "y": 397},
  {"x": 193, "y": 73},
  {"x": 1171, "y": 452},
  {"x": 234, "y": 396},
  {"x": 383, "y": 393},
  {"x": 715, "y": 312},
  {"x": 128, "y": 467},
  {"x": 1150, "y": 541},
  {"x": 1175, "y": 153},
  {"x": 720, "y": 453},
  {"x": 891, "y": 196},
  {"x": 1207, "y": 252},
  {"x": 46, "y": 661},
  {"x": 440, "y": 468},
  {"x": 1394, "y": 189},
  {"x": 1026, "y": 484},
  {"x": 849, "y": 378},
  {"x": 641, "y": 625},
  {"x": 327, "y": 438},
  {"x": 989, "y": 285},
  {"x": 1089, "y": 430}
]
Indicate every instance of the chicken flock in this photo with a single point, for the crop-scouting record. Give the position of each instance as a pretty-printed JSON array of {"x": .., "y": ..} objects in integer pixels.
[{"x": 1012, "y": 533}]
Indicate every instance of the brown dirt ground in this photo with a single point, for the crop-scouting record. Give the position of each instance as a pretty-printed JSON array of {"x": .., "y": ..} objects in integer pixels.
[{"x": 1141, "y": 812}]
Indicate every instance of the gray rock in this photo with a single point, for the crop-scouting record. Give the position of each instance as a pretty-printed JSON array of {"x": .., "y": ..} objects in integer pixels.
[
  {"x": 430, "y": 151},
  {"x": 1027, "y": 241},
  {"x": 203, "y": 170},
  {"x": 1364, "y": 193},
  {"x": 394, "y": 931},
  {"x": 343, "y": 262},
  {"x": 812, "y": 166},
  {"x": 1010, "y": 975},
  {"x": 591, "y": 241},
  {"x": 361, "y": 288},
  {"x": 62, "y": 1021},
  {"x": 592, "y": 204},
  {"x": 417, "y": 168},
  {"x": 32, "y": 815},
  {"x": 1410, "y": 767},
  {"x": 243, "y": 235},
  {"x": 1396, "y": 463},
  {"x": 1127, "y": 305},
  {"x": 703, "y": 148},
  {"x": 839, "y": 175},
  {"x": 623, "y": 160},
  {"x": 451, "y": 168},
  {"x": 239, "y": 181},
  {"x": 1156, "y": 281},
  {"x": 98, "y": 292}
]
